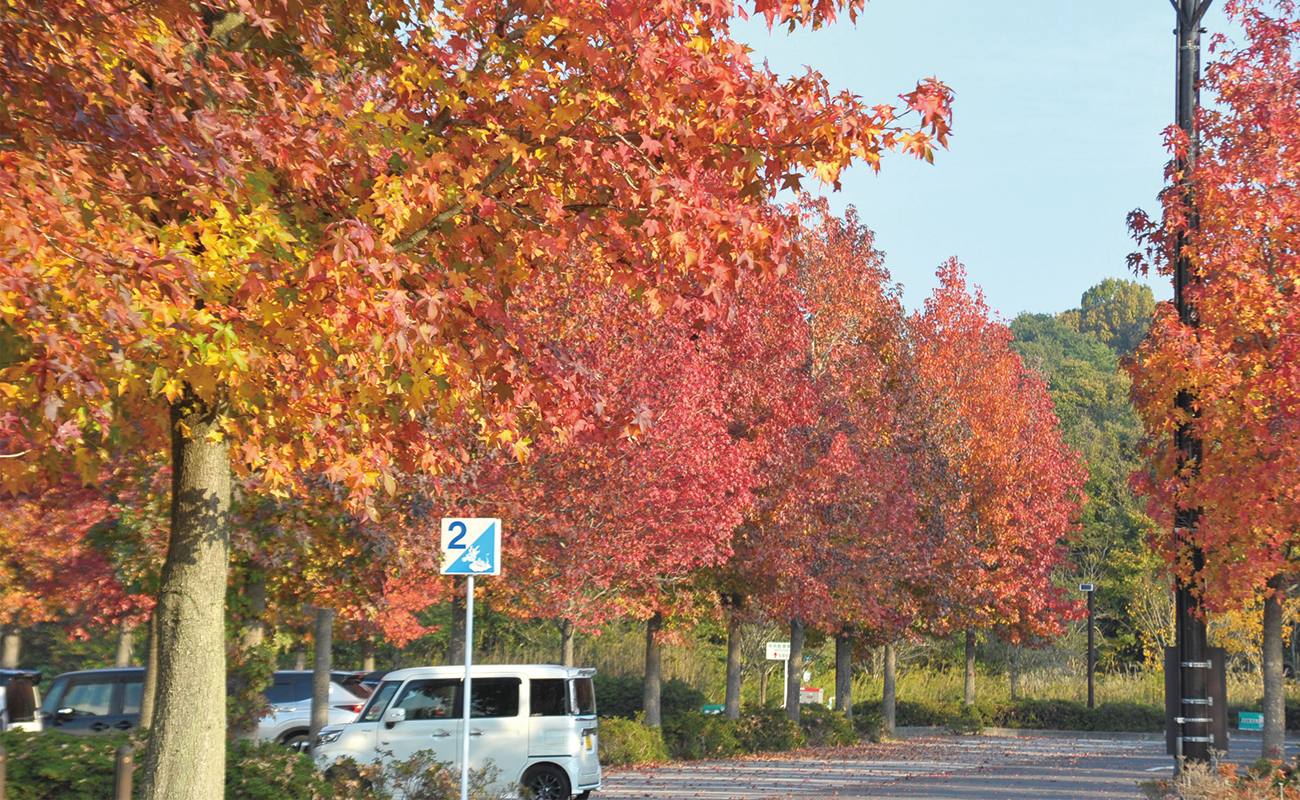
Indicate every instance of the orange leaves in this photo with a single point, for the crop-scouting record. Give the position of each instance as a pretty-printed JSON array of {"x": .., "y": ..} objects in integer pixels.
[{"x": 1238, "y": 362}]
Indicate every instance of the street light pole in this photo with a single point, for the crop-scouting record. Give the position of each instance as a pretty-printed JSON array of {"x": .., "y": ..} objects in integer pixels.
[{"x": 1193, "y": 739}]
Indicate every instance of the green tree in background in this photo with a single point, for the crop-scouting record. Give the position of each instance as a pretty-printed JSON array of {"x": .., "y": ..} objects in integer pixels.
[
  {"x": 1116, "y": 311},
  {"x": 1092, "y": 401}
]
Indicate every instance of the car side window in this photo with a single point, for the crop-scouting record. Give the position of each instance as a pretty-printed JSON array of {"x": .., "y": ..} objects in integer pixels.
[
  {"x": 301, "y": 688},
  {"x": 495, "y": 697},
  {"x": 431, "y": 699},
  {"x": 132, "y": 691},
  {"x": 375, "y": 709},
  {"x": 89, "y": 699},
  {"x": 548, "y": 697},
  {"x": 280, "y": 693}
]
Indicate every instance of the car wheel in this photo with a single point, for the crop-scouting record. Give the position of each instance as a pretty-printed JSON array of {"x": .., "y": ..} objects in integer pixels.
[
  {"x": 547, "y": 782},
  {"x": 298, "y": 742}
]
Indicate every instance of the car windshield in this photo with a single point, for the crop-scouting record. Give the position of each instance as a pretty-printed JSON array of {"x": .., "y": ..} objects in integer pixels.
[
  {"x": 51, "y": 703},
  {"x": 378, "y": 701}
]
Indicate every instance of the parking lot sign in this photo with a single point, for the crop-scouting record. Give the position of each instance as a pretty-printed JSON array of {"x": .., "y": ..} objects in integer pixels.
[{"x": 471, "y": 546}]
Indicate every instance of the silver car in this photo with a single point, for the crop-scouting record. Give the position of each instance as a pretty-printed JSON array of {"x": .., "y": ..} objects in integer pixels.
[{"x": 289, "y": 697}]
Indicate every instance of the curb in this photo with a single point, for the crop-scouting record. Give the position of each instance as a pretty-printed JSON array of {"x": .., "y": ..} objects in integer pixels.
[{"x": 1034, "y": 733}]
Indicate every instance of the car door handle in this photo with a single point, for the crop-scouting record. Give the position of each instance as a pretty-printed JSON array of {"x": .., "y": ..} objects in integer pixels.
[
  {"x": 476, "y": 733},
  {"x": 123, "y": 725},
  {"x": 98, "y": 726},
  {"x": 440, "y": 734}
]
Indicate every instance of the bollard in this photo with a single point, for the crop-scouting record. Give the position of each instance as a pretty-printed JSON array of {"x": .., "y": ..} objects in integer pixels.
[{"x": 122, "y": 773}]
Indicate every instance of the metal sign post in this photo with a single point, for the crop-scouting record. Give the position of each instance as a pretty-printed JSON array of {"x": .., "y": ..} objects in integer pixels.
[
  {"x": 780, "y": 651},
  {"x": 1090, "y": 589},
  {"x": 470, "y": 547}
]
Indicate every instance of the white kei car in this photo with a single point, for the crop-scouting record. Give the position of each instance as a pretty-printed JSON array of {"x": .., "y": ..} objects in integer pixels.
[{"x": 535, "y": 723}]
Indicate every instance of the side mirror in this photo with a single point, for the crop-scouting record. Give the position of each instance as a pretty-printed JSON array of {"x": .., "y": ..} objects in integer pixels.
[{"x": 394, "y": 715}]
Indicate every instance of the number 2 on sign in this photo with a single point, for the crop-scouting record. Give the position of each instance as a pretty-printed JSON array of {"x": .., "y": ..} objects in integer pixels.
[{"x": 455, "y": 543}]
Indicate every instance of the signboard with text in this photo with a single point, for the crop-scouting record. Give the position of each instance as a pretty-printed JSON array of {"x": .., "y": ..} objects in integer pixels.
[{"x": 471, "y": 546}]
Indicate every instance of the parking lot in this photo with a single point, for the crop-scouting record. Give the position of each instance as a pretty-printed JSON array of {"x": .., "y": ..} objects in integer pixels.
[{"x": 967, "y": 767}]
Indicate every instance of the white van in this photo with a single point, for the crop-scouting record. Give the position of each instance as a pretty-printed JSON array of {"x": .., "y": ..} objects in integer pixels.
[
  {"x": 537, "y": 725},
  {"x": 19, "y": 700}
]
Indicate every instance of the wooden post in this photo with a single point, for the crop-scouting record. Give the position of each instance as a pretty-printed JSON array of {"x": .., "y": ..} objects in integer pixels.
[{"x": 123, "y": 772}]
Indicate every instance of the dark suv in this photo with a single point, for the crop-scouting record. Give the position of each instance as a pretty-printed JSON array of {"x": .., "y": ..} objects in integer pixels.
[
  {"x": 94, "y": 701},
  {"x": 104, "y": 700}
]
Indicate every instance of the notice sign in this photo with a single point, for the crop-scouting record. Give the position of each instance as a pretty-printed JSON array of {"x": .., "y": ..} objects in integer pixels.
[
  {"x": 471, "y": 546},
  {"x": 778, "y": 651},
  {"x": 1250, "y": 721}
]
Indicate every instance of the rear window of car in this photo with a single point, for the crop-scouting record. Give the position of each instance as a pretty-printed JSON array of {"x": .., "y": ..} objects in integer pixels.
[
  {"x": 131, "y": 694},
  {"x": 584, "y": 697},
  {"x": 20, "y": 700},
  {"x": 548, "y": 697}
]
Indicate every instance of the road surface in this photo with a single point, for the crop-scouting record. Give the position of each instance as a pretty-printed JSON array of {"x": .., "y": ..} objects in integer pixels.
[{"x": 966, "y": 767}]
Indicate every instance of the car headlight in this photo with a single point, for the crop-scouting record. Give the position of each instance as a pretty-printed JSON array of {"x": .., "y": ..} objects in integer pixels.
[{"x": 328, "y": 735}]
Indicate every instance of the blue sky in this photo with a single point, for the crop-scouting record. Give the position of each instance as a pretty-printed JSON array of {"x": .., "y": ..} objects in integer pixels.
[{"x": 1058, "y": 119}]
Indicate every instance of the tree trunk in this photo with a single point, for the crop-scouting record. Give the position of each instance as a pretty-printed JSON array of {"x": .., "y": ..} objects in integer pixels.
[
  {"x": 1274, "y": 679},
  {"x": 255, "y": 626},
  {"x": 11, "y": 648},
  {"x": 300, "y": 657},
  {"x": 250, "y": 638},
  {"x": 149, "y": 691},
  {"x": 368, "y": 652},
  {"x": 567, "y": 657},
  {"x": 762, "y": 685},
  {"x": 889, "y": 702},
  {"x": 653, "y": 672},
  {"x": 970, "y": 667},
  {"x": 456, "y": 642},
  {"x": 186, "y": 755},
  {"x": 732, "y": 701},
  {"x": 125, "y": 645},
  {"x": 1015, "y": 670},
  {"x": 320, "y": 673},
  {"x": 794, "y": 680},
  {"x": 844, "y": 674}
]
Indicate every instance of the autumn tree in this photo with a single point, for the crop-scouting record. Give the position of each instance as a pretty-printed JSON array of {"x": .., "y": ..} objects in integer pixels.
[
  {"x": 1002, "y": 489},
  {"x": 282, "y": 238},
  {"x": 1239, "y": 362}
]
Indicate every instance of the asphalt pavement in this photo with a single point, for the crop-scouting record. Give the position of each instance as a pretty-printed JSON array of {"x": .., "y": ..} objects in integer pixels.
[{"x": 966, "y": 767}]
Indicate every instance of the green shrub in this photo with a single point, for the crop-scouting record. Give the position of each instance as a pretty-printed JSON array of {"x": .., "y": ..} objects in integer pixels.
[
  {"x": 56, "y": 766},
  {"x": 868, "y": 720},
  {"x": 766, "y": 730},
  {"x": 693, "y": 735},
  {"x": 624, "y": 696},
  {"x": 627, "y": 742},
  {"x": 267, "y": 771},
  {"x": 1071, "y": 715},
  {"x": 824, "y": 727}
]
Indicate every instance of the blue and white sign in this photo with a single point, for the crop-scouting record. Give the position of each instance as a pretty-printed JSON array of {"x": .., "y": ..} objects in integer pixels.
[{"x": 471, "y": 546}]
